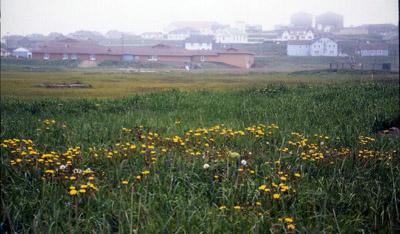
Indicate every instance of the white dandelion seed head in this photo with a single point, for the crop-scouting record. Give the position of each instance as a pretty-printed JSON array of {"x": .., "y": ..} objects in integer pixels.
[{"x": 77, "y": 171}]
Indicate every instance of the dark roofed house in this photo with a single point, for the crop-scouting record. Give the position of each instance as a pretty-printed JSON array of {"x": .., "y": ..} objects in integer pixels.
[
  {"x": 199, "y": 42},
  {"x": 182, "y": 34},
  {"x": 75, "y": 49},
  {"x": 299, "y": 47},
  {"x": 373, "y": 49}
]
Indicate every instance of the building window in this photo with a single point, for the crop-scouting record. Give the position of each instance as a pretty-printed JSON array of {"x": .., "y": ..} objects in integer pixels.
[
  {"x": 152, "y": 58},
  {"x": 73, "y": 56},
  {"x": 46, "y": 56},
  {"x": 331, "y": 52},
  {"x": 92, "y": 57},
  {"x": 316, "y": 52},
  {"x": 379, "y": 51},
  {"x": 65, "y": 56},
  {"x": 202, "y": 58}
]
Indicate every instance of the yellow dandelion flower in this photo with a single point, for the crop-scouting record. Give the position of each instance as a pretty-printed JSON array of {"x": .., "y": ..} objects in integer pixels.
[
  {"x": 240, "y": 169},
  {"x": 72, "y": 188},
  {"x": 18, "y": 160},
  {"x": 73, "y": 192},
  {"x": 145, "y": 172},
  {"x": 237, "y": 207},
  {"x": 222, "y": 207},
  {"x": 291, "y": 227},
  {"x": 82, "y": 190},
  {"x": 72, "y": 178},
  {"x": 297, "y": 175},
  {"x": 289, "y": 220},
  {"x": 262, "y": 187},
  {"x": 138, "y": 177},
  {"x": 283, "y": 178},
  {"x": 91, "y": 178},
  {"x": 83, "y": 186},
  {"x": 277, "y": 196},
  {"x": 124, "y": 182}
]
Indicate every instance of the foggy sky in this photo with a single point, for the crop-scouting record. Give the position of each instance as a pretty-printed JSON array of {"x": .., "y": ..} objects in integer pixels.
[{"x": 44, "y": 16}]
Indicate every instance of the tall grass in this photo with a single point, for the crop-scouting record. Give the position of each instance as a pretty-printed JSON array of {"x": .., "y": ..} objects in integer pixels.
[{"x": 343, "y": 191}]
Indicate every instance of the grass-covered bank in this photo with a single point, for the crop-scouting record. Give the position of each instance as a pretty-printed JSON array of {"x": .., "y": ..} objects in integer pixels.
[
  {"x": 113, "y": 84},
  {"x": 279, "y": 157}
]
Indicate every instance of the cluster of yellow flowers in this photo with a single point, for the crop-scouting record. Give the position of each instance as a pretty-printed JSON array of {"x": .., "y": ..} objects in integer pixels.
[{"x": 207, "y": 145}]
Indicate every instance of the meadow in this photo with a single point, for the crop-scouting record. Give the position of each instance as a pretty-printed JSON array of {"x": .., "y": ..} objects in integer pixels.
[{"x": 305, "y": 152}]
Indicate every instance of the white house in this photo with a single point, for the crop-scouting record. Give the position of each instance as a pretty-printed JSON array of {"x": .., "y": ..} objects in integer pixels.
[
  {"x": 299, "y": 48},
  {"x": 231, "y": 36},
  {"x": 199, "y": 42},
  {"x": 299, "y": 34},
  {"x": 22, "y": 53},
  {"x": 181, "y": 34},
  {"x": 4, "y": 52},
  {"x": 241, "y": 25},
  {"x": 373, "y": 49},
  {"x": 153, "y": 36},
  {"x": 324, "y": 46}
]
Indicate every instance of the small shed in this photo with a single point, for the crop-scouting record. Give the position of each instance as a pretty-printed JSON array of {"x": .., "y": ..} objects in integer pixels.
[{"x": 22, "y": 53}]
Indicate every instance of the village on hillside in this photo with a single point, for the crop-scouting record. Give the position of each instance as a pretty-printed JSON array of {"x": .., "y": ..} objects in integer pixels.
[{"x": 191, "y": 43}]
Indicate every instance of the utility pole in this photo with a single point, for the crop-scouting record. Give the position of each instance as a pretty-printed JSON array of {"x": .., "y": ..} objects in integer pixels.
[{"x": 122, "y": 38}]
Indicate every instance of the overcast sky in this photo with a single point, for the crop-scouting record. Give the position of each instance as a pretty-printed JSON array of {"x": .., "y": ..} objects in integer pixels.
[{"x": 65, "y": 16}]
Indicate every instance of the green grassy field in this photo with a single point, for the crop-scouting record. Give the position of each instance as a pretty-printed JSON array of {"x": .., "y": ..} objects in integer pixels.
[
  {"x": 112, "y": 84},
  {"x": 299, "y": 152}
]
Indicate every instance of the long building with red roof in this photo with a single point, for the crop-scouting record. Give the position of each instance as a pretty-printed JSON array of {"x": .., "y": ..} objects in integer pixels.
[{"x": 86, "y": 50}]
